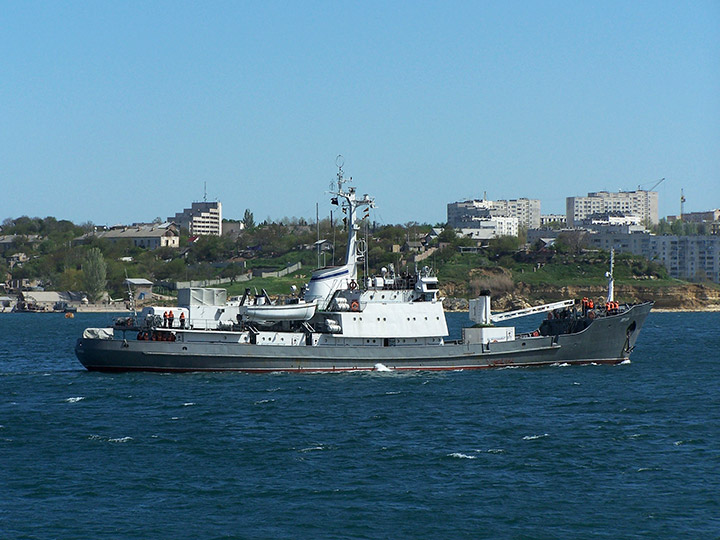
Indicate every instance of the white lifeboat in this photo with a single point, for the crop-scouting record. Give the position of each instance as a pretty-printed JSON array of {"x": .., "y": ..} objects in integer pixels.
[{"x": 302, "y": 311}]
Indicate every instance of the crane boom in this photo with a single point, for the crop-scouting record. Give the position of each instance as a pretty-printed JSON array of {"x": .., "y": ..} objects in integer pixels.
[
  {"x": 529, "y": 311},
  {"x": 656, "y": 184}
]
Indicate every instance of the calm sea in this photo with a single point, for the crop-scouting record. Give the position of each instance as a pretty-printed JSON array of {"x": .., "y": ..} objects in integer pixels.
[{"x": 628, "y": 451}]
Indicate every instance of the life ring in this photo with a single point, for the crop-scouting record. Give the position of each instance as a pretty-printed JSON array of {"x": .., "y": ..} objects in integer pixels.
[
  {"x": 352, "y": 285},
  {"x": 536, "y": 333},
  {"x": 354, "y": 305}
]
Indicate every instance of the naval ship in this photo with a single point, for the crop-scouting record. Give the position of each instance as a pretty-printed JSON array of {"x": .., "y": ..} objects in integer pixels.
[{"x": 339, "y": 322}]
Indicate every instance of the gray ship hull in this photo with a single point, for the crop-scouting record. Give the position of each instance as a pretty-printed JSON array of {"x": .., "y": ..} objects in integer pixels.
[{"x": 606, "y": 340}]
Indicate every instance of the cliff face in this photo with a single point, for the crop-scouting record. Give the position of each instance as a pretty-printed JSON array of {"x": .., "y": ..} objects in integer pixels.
[{"x": 688, "y": 297}]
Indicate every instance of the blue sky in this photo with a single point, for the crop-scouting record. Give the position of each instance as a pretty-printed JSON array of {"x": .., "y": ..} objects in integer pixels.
[{"x": 115, "y": 112}]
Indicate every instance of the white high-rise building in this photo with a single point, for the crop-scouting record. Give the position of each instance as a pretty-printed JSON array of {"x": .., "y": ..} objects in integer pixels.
[
  {"x": 640, "y": 203},
  {"x": 202, "y": 218},
  {"x": 526, "y": 211}
]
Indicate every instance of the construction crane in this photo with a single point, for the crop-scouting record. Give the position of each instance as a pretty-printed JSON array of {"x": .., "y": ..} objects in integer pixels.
[
  {"x": 656, "y": 184},
  {"x": 682, "y": 204}
]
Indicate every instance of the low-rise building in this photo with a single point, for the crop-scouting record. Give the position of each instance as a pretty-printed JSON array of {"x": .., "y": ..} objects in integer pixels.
[
  {"x": 697, "y": 217},
  {"x": 151, "y": 236},
  {"x": 547, "y": 219},
  {"x": 8, "y": 241},
  {"x": 140, "y": 287},
  {"x": 488, "y": 228}
]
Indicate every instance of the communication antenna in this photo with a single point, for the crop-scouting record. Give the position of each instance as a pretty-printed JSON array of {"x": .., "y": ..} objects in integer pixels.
[
  {"x": 205, "y": 192},
  {"x": 340, "y": 161}
]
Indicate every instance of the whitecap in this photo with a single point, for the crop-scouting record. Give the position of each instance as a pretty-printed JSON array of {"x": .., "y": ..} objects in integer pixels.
[
  {"x": 533, "y": 437},
  {"x": 391, "y": 393},
  {"x": 312, "y": 449},
  {"x": 461, "y": 456},
  {"x": 264, "y": 401},
  {"x": 676, "y": 443},
  {"x": 382, "y": 367},
  {"x": 120, "y": 440},
  {"x": 188, "y": 404},
  {"x": 496, "y": 451},
  {"x": 174, "y": 418},
  {"x": 74, "y": 399}
]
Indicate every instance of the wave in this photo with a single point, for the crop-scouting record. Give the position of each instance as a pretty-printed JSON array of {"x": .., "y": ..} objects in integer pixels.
[
  {"x": 312, "y": 449},
  {"x": 109, "y": 439},
  {"x": 533, "y": 437},
  {"x": 461, "y": 456},
  {"x": 74, "y": 399},
  {"x": 120, "y": 440}
]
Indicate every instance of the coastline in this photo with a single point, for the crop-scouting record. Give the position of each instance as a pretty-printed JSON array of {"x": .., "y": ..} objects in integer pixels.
[
  {"x": 96, "y": 308},
  {"x": 707, "y": 309}
]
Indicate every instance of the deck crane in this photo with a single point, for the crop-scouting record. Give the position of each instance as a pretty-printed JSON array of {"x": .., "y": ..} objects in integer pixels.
[{"x": 656, "y": 184}]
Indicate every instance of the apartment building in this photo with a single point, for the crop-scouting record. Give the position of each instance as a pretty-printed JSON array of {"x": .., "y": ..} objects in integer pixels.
[
  {"x": 693, "y": 258},
  {"x": 640, "y": 203},
  {"x": 201, "y": 219},
  {"x": 462, "y": 214}
]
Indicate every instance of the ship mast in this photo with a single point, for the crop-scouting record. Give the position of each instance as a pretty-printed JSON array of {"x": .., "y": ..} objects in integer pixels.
[
  {"x": 611, "y": 280},
  {"x": 351, "y": 206}
]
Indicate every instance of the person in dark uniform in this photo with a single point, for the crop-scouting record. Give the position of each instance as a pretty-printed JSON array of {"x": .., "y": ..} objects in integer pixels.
[
  {"x": 182, "y": 319},
  {"x": 165, "y": 319}
]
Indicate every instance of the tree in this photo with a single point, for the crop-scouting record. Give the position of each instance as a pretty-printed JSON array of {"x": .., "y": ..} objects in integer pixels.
[
  {"x": 570, "y": 242},
  {"x": 94, "y": 274},
  {"x": 447, "y": 235},
  {"x": 248, "y": 219},
  {"x": 503, "y": 245}
]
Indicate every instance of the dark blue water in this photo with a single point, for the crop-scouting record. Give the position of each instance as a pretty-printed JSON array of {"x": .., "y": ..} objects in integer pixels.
[{"x": 629, "y": 451}]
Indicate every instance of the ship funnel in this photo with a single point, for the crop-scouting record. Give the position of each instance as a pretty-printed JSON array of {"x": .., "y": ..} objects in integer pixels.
[{"x": 480, "y": 308}]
